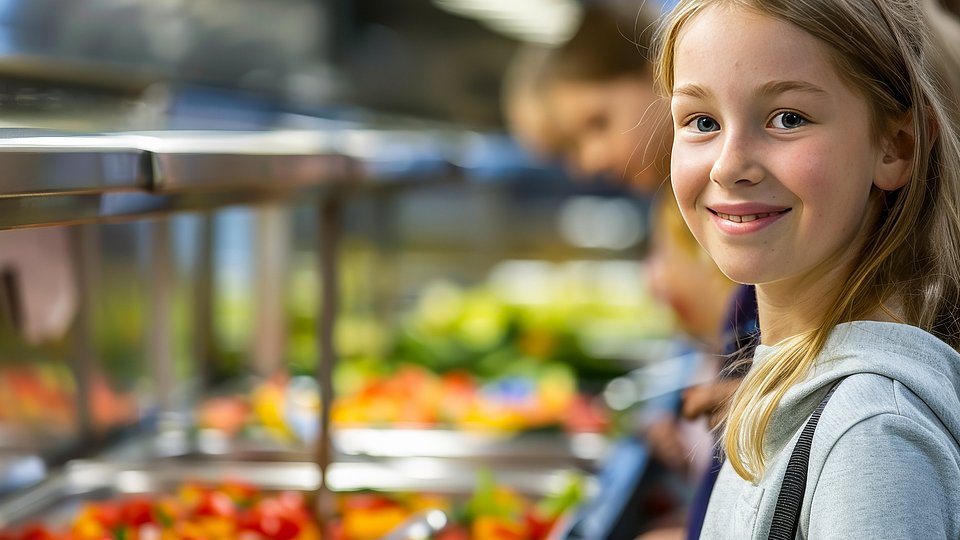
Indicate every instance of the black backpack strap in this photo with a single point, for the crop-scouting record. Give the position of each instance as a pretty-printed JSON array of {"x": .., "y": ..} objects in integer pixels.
[{"x": 786, "y": 516}]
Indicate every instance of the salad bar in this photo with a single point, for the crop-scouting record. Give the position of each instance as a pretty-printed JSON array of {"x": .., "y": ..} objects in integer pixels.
[{"x": 482, "y": 422}]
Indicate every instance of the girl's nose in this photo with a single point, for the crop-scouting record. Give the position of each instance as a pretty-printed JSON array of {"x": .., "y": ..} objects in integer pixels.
[{"x": 738, "y": 162}]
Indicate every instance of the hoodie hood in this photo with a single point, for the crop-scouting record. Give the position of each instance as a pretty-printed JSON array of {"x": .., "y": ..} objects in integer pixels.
[{"x": 926, "y": 365}]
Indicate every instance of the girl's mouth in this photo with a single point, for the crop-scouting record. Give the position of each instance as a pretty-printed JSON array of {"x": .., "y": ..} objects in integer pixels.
[{"x": 746, "y": 218}]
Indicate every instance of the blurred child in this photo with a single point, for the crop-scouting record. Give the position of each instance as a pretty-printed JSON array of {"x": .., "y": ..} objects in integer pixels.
[
  {"x": 590, "y": 101},
  {"x": 525, "y": 111},
  {"x": 684, "y": 276}
]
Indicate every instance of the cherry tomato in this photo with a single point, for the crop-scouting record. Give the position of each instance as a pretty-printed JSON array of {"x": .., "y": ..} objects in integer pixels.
[
  {"x": 454, "y": 532},
  {"x": 136, "y": 512},
  {"x": 37, "y": 532},
  {"x": 216, "y": 503},
  {"x": 367, "y": 501},
  {"x": 105, "y": 514},
  {"x": 538, "y": 527}
]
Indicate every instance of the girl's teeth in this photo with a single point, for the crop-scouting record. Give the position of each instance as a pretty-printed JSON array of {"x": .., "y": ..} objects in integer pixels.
[{"x": 743, "y": 219}]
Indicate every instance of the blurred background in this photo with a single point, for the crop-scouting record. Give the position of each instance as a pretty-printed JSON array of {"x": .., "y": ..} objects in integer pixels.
[
  {"x": 273, "y": 242},
  {"x": 438, "y": 60}
]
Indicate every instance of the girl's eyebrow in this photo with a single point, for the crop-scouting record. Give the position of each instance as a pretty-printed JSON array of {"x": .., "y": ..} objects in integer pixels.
[
  {"x": 766, "y": 89},
  {"x": 781, "y": 87},
  {"x": 690, "y": 90}
]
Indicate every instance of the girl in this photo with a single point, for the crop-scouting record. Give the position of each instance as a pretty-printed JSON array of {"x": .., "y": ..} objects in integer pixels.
[{"x": 816, "y": 155}]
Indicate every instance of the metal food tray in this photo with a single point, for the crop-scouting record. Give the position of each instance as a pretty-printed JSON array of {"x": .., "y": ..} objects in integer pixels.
[
  {"x": 57, "y": 499},
  {"x": 539, "y": 450}
]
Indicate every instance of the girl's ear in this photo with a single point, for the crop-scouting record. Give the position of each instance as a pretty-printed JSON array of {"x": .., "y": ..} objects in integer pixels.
[{"x": 896, "y": 161}]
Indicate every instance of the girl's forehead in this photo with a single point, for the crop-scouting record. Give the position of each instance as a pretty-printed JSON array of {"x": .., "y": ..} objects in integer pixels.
[
  {"x": 736, "y": 45},
  {"x": 739, "y": 29}
]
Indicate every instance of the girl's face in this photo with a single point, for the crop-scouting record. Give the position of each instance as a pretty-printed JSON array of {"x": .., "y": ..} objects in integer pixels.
[
  {"x": 773, "y": 155},
  {"x": 618, "y": 129}
]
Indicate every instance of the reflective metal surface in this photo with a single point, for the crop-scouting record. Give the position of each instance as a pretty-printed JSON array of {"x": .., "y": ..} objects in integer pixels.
[
  {"x": 72, "y": 209},
  {"x": 584, "y": 448},
  {"x": 125, "y": 43},
  {"x": 70, "y": 164},
  {"x": 260, "y": 161},
  {"x": 19, "y": 470},
  {"x": 584, "y": 451},
  {"x": 64, "y": 179}
]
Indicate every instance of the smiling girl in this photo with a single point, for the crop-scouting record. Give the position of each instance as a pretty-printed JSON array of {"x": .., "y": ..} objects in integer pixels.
[{"x": 816, "y": 155}]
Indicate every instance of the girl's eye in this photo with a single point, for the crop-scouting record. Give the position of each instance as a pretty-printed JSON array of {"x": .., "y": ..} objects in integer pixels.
[
  {"x": 706, "y": 124},
  {"x": 788, "y": 120}
]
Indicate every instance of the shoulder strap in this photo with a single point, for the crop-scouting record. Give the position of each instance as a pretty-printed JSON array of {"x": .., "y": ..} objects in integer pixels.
[{"x": 786, "y": 516}]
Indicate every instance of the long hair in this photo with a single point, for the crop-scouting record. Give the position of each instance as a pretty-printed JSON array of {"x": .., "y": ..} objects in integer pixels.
[{"x": 910, "y": 264}]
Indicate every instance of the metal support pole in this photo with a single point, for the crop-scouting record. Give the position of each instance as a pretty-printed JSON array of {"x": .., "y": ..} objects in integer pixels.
[
  {"x": 159, "y": 332},
  {"x": 329, "y": 224},
  {"x": 272, "y": 253},
  {"x": 85, "y": 253},
  {"x": 203, "y": 346}
]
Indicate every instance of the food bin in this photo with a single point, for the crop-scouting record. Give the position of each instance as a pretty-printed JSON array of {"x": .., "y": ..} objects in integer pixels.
[{"x": 56, "y": 501}]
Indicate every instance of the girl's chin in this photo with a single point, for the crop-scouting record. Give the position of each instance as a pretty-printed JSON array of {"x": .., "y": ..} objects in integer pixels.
[{"x": 739, "y": 274}]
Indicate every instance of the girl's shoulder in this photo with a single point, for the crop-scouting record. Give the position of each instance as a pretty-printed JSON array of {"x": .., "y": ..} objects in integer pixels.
[
  {"x": 883, "y": 448},
  {"x": 886, "y": 338},
  {"x": 862, "y": 395},
  {"x": 876, "y": 405},
  {"x": 889, "y": 372}
]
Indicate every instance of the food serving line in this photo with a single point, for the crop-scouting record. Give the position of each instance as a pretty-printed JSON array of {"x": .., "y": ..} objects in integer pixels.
[{"x": 57, "y": 179}]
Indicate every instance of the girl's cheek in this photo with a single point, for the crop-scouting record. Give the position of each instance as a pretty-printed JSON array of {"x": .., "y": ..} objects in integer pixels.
[{"x": 690, "y": 174}]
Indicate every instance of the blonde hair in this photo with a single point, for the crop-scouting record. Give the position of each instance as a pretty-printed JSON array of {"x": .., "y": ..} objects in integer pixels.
[{"x": 910, "y": 264}]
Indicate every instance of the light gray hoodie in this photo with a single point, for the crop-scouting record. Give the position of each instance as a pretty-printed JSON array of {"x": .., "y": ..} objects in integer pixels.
[{"x": 885, "y": 460}]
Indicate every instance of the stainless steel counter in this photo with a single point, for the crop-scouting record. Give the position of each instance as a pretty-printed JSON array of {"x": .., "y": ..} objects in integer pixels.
[
  {"x": 61, "y": 178},
  {"x": 70, "y": 165}
]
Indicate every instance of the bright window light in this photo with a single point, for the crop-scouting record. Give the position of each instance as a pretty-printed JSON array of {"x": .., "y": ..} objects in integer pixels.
[{"x": 542, "y": 21}]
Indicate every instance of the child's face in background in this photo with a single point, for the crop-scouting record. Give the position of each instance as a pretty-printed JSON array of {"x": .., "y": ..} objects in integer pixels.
[
  {"x": 685, "y": 278},
  {"x": 773, "y": 155},
  {"x": 619, "y": 129}
]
